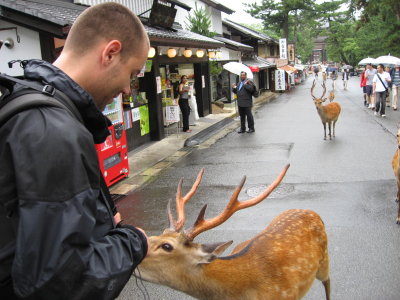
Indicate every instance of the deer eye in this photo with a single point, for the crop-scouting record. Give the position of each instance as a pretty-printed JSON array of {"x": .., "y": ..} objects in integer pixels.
[{"x": 167, "y": 247}]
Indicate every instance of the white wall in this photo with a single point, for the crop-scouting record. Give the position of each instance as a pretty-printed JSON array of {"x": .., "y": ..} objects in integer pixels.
[{"x": 28, "y": 48}]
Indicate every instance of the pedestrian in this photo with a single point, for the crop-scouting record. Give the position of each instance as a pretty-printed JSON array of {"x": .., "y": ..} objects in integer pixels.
[
  {"x": 389, "y": 91},
  {"x": 369, "y": 74},
  {"x": 334, "y": 77},
  {"x": 345, "y": 78},
  {"x": 244, "y": 90},
  {"x": 363, "y": 84},
  {"x": 316, "y": 70},
  {"x": 59, "y": 236},
  {"x": 380, "y": 87},
  {"x": 395, "y": 90},
  {"x": 184, "y": 89}
]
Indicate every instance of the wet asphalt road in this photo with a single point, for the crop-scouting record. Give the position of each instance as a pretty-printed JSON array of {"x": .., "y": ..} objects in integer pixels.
[{"x": 347, "y": 180}]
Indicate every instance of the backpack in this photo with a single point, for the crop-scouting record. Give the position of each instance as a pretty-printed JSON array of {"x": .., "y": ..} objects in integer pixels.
[
  {"x": 38, "y": 95},
  {"x": 255, "y": 92}
]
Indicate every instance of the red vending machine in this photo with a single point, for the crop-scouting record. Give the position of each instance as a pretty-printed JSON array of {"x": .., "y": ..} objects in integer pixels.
[{"x": 113, "y": 153}]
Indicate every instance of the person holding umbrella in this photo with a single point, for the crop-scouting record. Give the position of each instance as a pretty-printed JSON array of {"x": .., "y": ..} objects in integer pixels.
[{"x": 244, "y": 90}]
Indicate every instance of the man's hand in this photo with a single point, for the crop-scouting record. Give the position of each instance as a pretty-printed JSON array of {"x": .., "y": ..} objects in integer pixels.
[
  {"x": 234, "y": 85},
  {"x": 117, "y": 218}
]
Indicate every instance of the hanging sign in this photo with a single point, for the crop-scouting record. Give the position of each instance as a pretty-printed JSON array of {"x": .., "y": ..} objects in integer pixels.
[
  {"x": 279, "y": 80},
  {"x": 172, "y": 114},
  {"x": 158, "y": 80},
  {"x": 282, "y": 49},
  {"x": 135, "y": 114}
]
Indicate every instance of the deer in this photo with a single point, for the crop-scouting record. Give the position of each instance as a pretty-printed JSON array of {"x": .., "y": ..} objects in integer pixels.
[
  {"x": 280, "y": 262},
  {"x": 328, "y": 113},
  {"x": 396, "y": 171}
]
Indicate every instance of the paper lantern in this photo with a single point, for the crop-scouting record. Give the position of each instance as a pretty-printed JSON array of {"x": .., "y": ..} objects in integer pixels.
[
  {"x": 187, "y": 53},
  {"x": 171, "y": 52},
  {"x": 211, "y": 54},
  {"x": 152, "y": 52},
  {"x": 200, "y": 53}
]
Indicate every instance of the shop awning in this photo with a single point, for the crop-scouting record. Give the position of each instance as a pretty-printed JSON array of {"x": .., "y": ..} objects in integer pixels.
[
  {"x": 257, "y": 63},
  {"x": 288, "y": 69},
  {"x": 230, "y": 44},
  {"x": 180, "y": 38}
]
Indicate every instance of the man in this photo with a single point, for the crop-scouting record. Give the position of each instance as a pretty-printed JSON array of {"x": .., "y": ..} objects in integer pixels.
[
  {"x": 58, "y": 236},
  {"x": 244, "y": 91},
  {"x": 395, "y": 76},
  {"x": 363, "y": 84},
  {"x": 369, "y": 74},
  {"x": 345, "y": 78},
  {"x": 380, "y": 86}
]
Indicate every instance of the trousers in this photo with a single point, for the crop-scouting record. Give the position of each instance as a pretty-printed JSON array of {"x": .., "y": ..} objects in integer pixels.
[
  {"x": 380, "y": 102},
  {"x": 185, "y": 109},
  {"x": 246, "y": 112}
]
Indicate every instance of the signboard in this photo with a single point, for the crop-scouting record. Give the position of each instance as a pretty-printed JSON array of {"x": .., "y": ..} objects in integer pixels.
[
  {"x": 135, "y": 114},
  {"x": 291, "y": 52},
  {"x": 144, "y": 120},
  {"x": 282, "y": 49},
  {"x": 158, "y": 80},
  {"x": 279, "y": 80},
  {"x": 172, "y": 114}
]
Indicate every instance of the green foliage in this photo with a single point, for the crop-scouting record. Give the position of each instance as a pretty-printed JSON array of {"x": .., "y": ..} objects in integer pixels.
[
  {"x": 214, "y": 67},
  {"x": 200, "y": 22}
]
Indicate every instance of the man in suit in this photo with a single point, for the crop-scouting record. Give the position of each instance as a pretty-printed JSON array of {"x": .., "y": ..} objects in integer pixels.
[{"x": 244, "y": 90}]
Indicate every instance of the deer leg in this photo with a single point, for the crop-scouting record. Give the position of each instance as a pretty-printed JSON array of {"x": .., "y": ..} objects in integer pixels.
[
  {"x": 324, "y": 130},
  {"x": 398, "y": 215},
  {"x": 398, "y": 192},
  {"x": 334, "y": 123},
  {"x": 330, "y": 125},
  {"x": 327, "y": 286}
]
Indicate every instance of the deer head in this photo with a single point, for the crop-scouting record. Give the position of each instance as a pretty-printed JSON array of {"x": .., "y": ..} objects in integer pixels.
[
  {"x": 173, "y": 253},
  {"x": 318, "y": 101}
]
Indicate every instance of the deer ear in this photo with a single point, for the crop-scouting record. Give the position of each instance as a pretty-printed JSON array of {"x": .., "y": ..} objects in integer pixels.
[{"x": 212, "y": 251}]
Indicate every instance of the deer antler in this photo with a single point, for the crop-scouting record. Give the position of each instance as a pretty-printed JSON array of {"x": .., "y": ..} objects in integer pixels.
[
  {"x": 180, "y": 203},
  {"x": 312, "y": 88},
  {"x": 323, "y": 85},
  {"x": 234, "y": 205}
]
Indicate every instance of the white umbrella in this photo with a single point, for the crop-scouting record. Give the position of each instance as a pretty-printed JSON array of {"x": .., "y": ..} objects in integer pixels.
[
  {"x": 368, "y": 60},
  {"x": 387, "y": 60},
  {"x": 236, "y": 68}
]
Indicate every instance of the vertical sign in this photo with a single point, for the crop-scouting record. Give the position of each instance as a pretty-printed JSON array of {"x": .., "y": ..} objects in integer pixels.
[
  {"x": 172, "y": 114},
  {"x": 158, "y": 80},
  {"x": 291, "y": 52},
  {"x": 282, "y": 49},
  {"x": 279, "y": 80}
]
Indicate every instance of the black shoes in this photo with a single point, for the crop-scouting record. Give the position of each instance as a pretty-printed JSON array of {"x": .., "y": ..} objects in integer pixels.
[{"x": 248, "y": 131}]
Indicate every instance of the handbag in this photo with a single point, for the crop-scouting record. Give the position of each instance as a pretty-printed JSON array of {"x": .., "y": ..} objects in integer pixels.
[{"x": 386, "y": 89}]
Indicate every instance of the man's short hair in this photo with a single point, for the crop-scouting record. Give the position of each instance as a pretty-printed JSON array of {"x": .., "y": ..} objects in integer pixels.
[
  {"x": 106, "y": 21},
  {"x": 243, "y": 73},
  {"x": 369, "y": 65}
]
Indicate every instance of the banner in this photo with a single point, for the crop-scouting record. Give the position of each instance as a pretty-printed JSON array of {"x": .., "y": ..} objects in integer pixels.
[
  {"x": 280, "y": 80},
  {"x": 282, "y": 49}
]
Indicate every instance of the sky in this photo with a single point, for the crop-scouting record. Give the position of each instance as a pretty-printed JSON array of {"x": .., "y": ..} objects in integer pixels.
[{"x": 240, "y": 16}]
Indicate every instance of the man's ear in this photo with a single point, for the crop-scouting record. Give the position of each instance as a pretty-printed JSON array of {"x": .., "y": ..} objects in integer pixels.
[{"x": 110, "y": 51}]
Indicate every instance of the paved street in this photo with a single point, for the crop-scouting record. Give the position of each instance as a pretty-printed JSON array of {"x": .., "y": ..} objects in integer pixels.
[{"x": 347, "y": 180}]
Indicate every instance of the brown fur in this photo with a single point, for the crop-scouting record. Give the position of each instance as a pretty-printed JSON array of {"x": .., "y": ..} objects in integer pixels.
[
  {"x": 329, "y": 114},
  {"x": 396, "y": 171}
]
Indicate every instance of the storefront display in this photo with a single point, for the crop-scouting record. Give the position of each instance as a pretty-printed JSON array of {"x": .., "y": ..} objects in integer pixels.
[{"x": 113, "y": 153}]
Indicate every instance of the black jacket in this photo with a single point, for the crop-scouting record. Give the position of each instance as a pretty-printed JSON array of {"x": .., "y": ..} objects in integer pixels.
[
  {"x": 245, "y": 94},
  {"x": 58, "y": 239}
]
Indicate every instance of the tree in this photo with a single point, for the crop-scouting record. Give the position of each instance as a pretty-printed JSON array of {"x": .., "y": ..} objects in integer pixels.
[
  {"x": 275, "y": 14},
  {"x": 200, "y": 22}
]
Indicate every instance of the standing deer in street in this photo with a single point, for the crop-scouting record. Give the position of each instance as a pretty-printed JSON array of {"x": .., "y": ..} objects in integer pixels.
[
  {"x": 328, "y": 113},
  {"x": 281, "y": 262},
  {"x": 396, "y": 170}
]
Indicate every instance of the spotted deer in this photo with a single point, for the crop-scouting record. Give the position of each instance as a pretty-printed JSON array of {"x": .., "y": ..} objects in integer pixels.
[
  {"x": 396, "y": 170},
  {"x": 281, "y": 262},
  {"x": 329, "y": 113}
]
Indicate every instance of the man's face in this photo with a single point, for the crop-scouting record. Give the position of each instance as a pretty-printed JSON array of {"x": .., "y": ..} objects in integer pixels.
[
  {"x": 243, "y": 76},
  {"x": 369, "y": 67},
  {"x": 380, "y": 69},
  {"x": 118, "y": 77}
]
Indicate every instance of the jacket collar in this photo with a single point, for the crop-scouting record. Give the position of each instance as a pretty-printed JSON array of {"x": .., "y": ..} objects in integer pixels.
[{"x": 93, "y": 118}]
